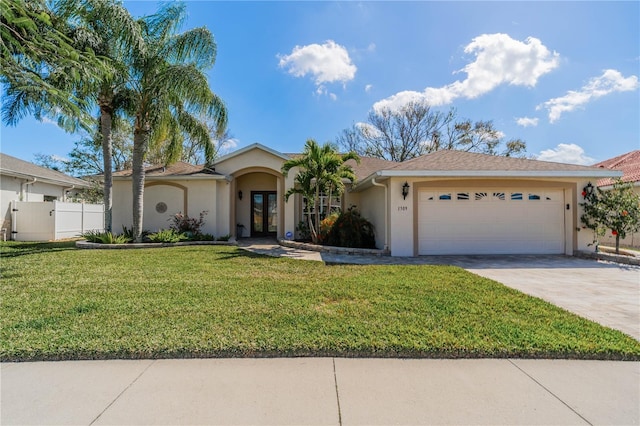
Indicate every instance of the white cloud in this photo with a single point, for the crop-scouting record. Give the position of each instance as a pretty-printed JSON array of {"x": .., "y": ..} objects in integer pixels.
[
  {"x": 368, "y": 88},
  {"x": 59, "y": 158},
  {"x": 610, "y": 81},
  {"x": 326, "y": 63},
  {"x": 499, "y": 59},
  {"x": 368, "y": 129},
  {"x": 371, "y": 47},
  {"x": 333, "y": 96},
  {"x": 47, "y": 120},
  {"x": 527, "y": 121},
  {"x": 566, "y": 153},
  {"x": 227, "y": 145}
]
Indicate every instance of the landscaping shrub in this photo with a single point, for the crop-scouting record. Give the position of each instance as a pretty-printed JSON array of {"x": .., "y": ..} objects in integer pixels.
[
  {"x": 203, "y": 237},
  {"x": 351, "y": 230},
  {"x": 224, "y": 237},
  {"x": 325, "y": 227},
  {"x": 167, "y": 236},
  {"x": 183, "y": 224},
  {"x": 128, "y": 232},
  {"x": 105, "y": 237},
  {"x": 92, "y": 236},
  {"x": 304, "y": 233}
]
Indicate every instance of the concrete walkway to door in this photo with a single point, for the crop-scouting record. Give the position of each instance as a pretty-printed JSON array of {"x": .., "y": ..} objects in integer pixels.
[{"x": 604, "y": 292}]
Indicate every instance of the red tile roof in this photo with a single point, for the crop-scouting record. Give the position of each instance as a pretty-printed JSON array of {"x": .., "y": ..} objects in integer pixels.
[{"x": 628, "y": 164}]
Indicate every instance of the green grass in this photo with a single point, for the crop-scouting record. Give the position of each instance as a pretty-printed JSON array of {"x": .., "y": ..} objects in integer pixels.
[{"x": 200, "y": 301}]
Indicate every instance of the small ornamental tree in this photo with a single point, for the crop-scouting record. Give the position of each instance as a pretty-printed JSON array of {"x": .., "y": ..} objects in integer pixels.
[{"x": 616, "y": 210}]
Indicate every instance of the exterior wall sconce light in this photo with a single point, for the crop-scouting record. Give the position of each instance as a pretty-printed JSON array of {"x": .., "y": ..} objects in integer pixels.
[
  {"x": 405, "y": 190},
  {"x": 587, "y": 190},
  {"x": 240, "y": 194}
]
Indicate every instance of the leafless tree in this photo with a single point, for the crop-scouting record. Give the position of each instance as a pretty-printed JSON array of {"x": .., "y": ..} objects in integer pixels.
[{"x": 416, "y": 129}]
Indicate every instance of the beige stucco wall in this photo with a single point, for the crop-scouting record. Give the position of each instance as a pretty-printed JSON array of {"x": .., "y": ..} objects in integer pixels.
[
  {"x": 252, "y": 158},
  {"x": 403, "y": 231},
  {"x": 403, "y": 220},
  {"x": 258, "y": 163},
  {"x": 257, "y": 181},
  {"x": 222, "y": 208},
  {"x": 186, "y": 196},
  {"x": 373, "y": 209},
  {"x": 253, "y": 170}
]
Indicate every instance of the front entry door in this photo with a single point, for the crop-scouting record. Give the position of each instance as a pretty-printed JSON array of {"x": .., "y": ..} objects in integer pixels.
[{"x": 264, "y": 211}]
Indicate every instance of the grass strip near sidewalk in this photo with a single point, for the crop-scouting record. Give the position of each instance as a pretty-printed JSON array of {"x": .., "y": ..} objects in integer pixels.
[{"x": 207, "y": 301}]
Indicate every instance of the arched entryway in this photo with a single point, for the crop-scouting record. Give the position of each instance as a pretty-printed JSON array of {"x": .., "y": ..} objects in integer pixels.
[{"x": 257, "y": 203}]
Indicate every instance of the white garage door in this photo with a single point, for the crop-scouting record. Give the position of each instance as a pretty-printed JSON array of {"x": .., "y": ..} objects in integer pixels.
[{"x": 491, "y": 221}]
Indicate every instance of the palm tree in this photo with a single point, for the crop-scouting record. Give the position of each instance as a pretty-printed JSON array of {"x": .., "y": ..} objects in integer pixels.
[
  {"x": 322, "y": 170},
  {"x": 110, "y": 31},
  {"x": 171, "y": 93},
  {"x": 107, "y": 29},
  {"x": 35, "y": 52},
  {"x": 337, "y": 172}
]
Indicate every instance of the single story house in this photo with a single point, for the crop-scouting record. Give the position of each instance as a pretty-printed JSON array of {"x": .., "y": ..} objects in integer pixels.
[
  {"x": 629, "y": 165},
  {"x": 24, "y": 181},
  {"x": 447, "y": 202}
]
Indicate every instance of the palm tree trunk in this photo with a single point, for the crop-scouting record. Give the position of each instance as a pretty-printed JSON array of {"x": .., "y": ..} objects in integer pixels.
[
  {"x": 316, "y": 215},
  {"x": 107, "y": 156},
  {"x": 140, "y": 142}
]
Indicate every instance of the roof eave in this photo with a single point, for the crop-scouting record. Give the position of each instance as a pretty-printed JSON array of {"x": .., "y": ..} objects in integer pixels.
[
  {"x": 57, "y": 182},
  {"x": 249, "y": 148},
  {"x": 177, "y": 177},
  {"x": 487, "y": 174}
]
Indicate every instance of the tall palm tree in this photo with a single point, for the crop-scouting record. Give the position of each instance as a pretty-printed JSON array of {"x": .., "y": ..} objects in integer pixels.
[
  {"x": 171, "y": 92},
  {"x": 106, "y": 29},
  {"x": 109, "y": 30},
  {"x": 322, "y": 170}
]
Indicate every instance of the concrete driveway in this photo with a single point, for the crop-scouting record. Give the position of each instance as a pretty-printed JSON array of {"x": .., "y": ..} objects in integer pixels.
[{"x": 604, "y": 292}]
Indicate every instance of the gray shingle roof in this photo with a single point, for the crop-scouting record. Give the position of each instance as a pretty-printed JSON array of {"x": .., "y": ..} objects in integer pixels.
[
  {"x": 369, "y": 165},
  {"x": 178, "y": 169},
  {"x": 12, "y": 166},
  {"x": 459, "y": 160}
]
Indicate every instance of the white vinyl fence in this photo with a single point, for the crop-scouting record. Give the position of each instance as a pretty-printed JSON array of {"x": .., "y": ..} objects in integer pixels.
[{"x": 54, "y": 220}]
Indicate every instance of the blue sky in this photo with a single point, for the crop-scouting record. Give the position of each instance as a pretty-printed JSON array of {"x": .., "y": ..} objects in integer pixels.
[{"x": 561, "y": 76}]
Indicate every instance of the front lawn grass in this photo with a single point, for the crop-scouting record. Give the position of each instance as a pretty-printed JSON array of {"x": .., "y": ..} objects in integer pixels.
[{"x": 209, "y": 301}]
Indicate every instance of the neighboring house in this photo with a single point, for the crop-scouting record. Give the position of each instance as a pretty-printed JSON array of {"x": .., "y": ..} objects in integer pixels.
[
  {"x": 629, "y": 165},
  {"x": 24, "y": 181},
  {"x": 447, "y": 202}
]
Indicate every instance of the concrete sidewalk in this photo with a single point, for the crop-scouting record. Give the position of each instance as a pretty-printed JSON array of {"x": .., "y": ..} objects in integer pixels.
[{"x": 335, "y": 391}]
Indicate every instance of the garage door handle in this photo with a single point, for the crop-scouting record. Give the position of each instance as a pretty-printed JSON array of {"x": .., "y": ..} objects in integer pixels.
[{"x": 568, "y": 207}]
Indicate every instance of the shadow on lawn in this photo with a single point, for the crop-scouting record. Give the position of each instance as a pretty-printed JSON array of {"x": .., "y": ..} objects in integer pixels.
[{"x": 14, "y": 249}]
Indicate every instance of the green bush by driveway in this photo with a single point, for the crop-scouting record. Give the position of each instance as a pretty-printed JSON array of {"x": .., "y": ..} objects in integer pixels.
[{"x": 62, "y": 303}]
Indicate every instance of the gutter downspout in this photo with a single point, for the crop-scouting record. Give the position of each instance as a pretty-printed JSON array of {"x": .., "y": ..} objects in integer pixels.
[
  {"x": 22, "y": 189},
  {"x": 386, "y": 212},
  {"x": 64, "y": 192}
]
